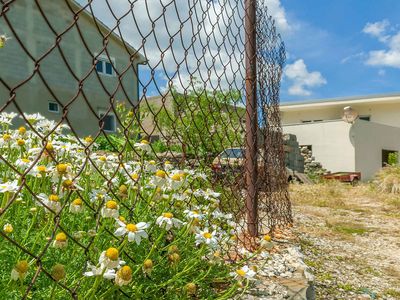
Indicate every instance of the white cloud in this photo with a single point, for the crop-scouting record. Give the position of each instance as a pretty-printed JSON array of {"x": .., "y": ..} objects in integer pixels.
[
  {"x": 208, "y": 46},
  {"x": 377, "y": 29},
  {"x": 277, "y": 11},
  {"x": 302, "y": 79},
  {"x": 388, "y": 57}
]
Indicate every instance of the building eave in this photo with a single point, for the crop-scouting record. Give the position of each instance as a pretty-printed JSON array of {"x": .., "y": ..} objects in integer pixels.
[{"x": 345, "y": 101}]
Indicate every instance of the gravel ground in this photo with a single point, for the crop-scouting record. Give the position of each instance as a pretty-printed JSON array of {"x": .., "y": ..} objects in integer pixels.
[{"x": 354, "y": 249}]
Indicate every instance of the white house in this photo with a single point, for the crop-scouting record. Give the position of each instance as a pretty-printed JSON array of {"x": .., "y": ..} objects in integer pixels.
[{"x": 363, "y": 146}]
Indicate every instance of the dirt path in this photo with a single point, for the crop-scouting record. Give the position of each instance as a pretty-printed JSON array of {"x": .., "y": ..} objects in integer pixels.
[{"x": 351, "y": 240}]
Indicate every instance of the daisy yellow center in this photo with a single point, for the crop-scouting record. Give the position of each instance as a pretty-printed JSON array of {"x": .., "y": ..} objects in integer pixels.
[
  {"x": 131, "y": 227},
  {"x": 102, "y": 158},
  {"x": 49, "y": 147},
  {"x": 111, "y": 204},
  {"x": 267, "y": 238},
  {"x": 67, "y": 183},
  {"x": 61, "y": 237},
  {"x": 22, "y": 130},
  {"x": 22, "y": 266},
  {"x": 88, "y": 139},
  {"x": 41, "y": 169},
  {"x": 20, "y": 142},
  {"x": 54, "y": 198},
  {"x": 112, "y": 253},
  {"x": 135, "y": 176},
  {"x": 240, "y": 272},
  {"x": 207, "y": 235},
  {"x": 62, "y": 168},
  {"x": 167, "y": 162},
  {"x": 152, "y": 162},
  {"x": 144, "y": 142},
  {"x": 168, "y": 215},
  {"x": 125, "y": 273},
  {"x": 123, "y": 189},
  {"x": 6, "y": 137},
  {"x": 160, "y": 173},
  {"x": 176, "y": 177},
  {"x": 122, "y": 219},
  {"x": 77, "y": 201},
  {"x": 8, "y": 228}
]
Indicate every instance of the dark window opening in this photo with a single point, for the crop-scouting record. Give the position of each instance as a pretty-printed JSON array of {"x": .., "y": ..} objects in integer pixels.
[
  {"x": 365, "y": 118},
  {"x": 389, "y": 157},
  {"x": 109, "y": 122},
  {"x": 53, "y": 107}
]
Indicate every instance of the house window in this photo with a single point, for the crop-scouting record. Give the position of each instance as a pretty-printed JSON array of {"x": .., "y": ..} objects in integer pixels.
[
  {"x": 104, "y": 66},
  {"x": 110, "y": 124},
  {"x": 53, "y": 107}
]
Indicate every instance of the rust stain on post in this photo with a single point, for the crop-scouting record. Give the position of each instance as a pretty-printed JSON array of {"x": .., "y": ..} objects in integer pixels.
[{"x": 251, "y": 117}]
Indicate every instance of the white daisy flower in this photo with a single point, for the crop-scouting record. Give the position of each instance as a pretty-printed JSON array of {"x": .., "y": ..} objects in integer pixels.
[
  {"x": 110, "y": 210},
  {"x": 10, "y": 186},
  {"x": 167, "y": 219},
  {"x": 159, "y": 179},
  {"x": 76, "y": 206},
  {"x": 60, "y": 241},
  {"x": 144, "y": 146},
  {"x": 244, "y": 273},
  {"x": 20, "y": 270},
  {"x": 98, "y": 195},
  {"x": 50, "y": 202},
  {"x": 94, "y": 271},
  {"x": 206, "y": 237},
  {"x": 194, "y": 214},
  {"x": 6, "y": 118},
  {"x": 123, "y": 276},
  {"x": 33, "y": 118},
  {"x": 135, "y": 231},
  {"x": 110, "y": 259}
]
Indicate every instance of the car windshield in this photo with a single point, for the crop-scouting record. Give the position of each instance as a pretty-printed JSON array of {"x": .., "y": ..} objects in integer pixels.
[{"x": 232, "y": 153}]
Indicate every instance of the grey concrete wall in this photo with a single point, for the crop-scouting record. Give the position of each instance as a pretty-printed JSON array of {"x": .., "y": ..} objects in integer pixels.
[
  {"x": 38, "y": 38},
  {"x": 370, "y": 139}
]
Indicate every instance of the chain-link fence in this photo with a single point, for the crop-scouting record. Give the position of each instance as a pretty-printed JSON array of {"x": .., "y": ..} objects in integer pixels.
[{"x": 136, "y": 127}]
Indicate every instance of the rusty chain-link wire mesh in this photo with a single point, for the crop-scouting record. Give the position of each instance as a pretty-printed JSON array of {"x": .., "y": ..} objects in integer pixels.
[{"x": 108, "y": 76}]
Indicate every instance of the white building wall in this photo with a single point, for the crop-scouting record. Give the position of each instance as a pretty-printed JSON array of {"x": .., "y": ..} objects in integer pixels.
[
  {"x": 331, "y": 143},
  {"x": 370, "y": 139}
]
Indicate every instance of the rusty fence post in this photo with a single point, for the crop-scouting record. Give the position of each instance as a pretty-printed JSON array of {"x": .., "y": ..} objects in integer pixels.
[{"x": 251, "y": 117}]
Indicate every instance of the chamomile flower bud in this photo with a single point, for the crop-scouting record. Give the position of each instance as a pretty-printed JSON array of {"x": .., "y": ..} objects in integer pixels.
[
  {"x": 20, "y": 270},
  {"x": 174, "y": 258},
  {"x": 60, "y": 241},
  {"x": 173, "y": 249},
  {"x": 148, "y": 266},
  {"x": 123, "y": 276},
  {"x": 20, "y": 142},
  {"x": 8, "y": 228},
  {"x": 58, "y": 272},
  {"x": 123, "y": 189},
  {"x": 6, "y": 137},
  {"x": 191, "y": 289}
]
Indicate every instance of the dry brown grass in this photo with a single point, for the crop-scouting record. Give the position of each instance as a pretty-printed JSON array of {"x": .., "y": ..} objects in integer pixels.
[{"x": 325, "y": 194}]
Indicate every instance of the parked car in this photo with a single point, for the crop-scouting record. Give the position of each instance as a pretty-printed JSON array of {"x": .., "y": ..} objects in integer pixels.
[{"x": 231, "y": 161}]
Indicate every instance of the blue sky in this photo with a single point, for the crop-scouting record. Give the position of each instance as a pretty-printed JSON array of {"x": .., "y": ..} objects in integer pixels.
[{"x": 330, "y": 47}]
